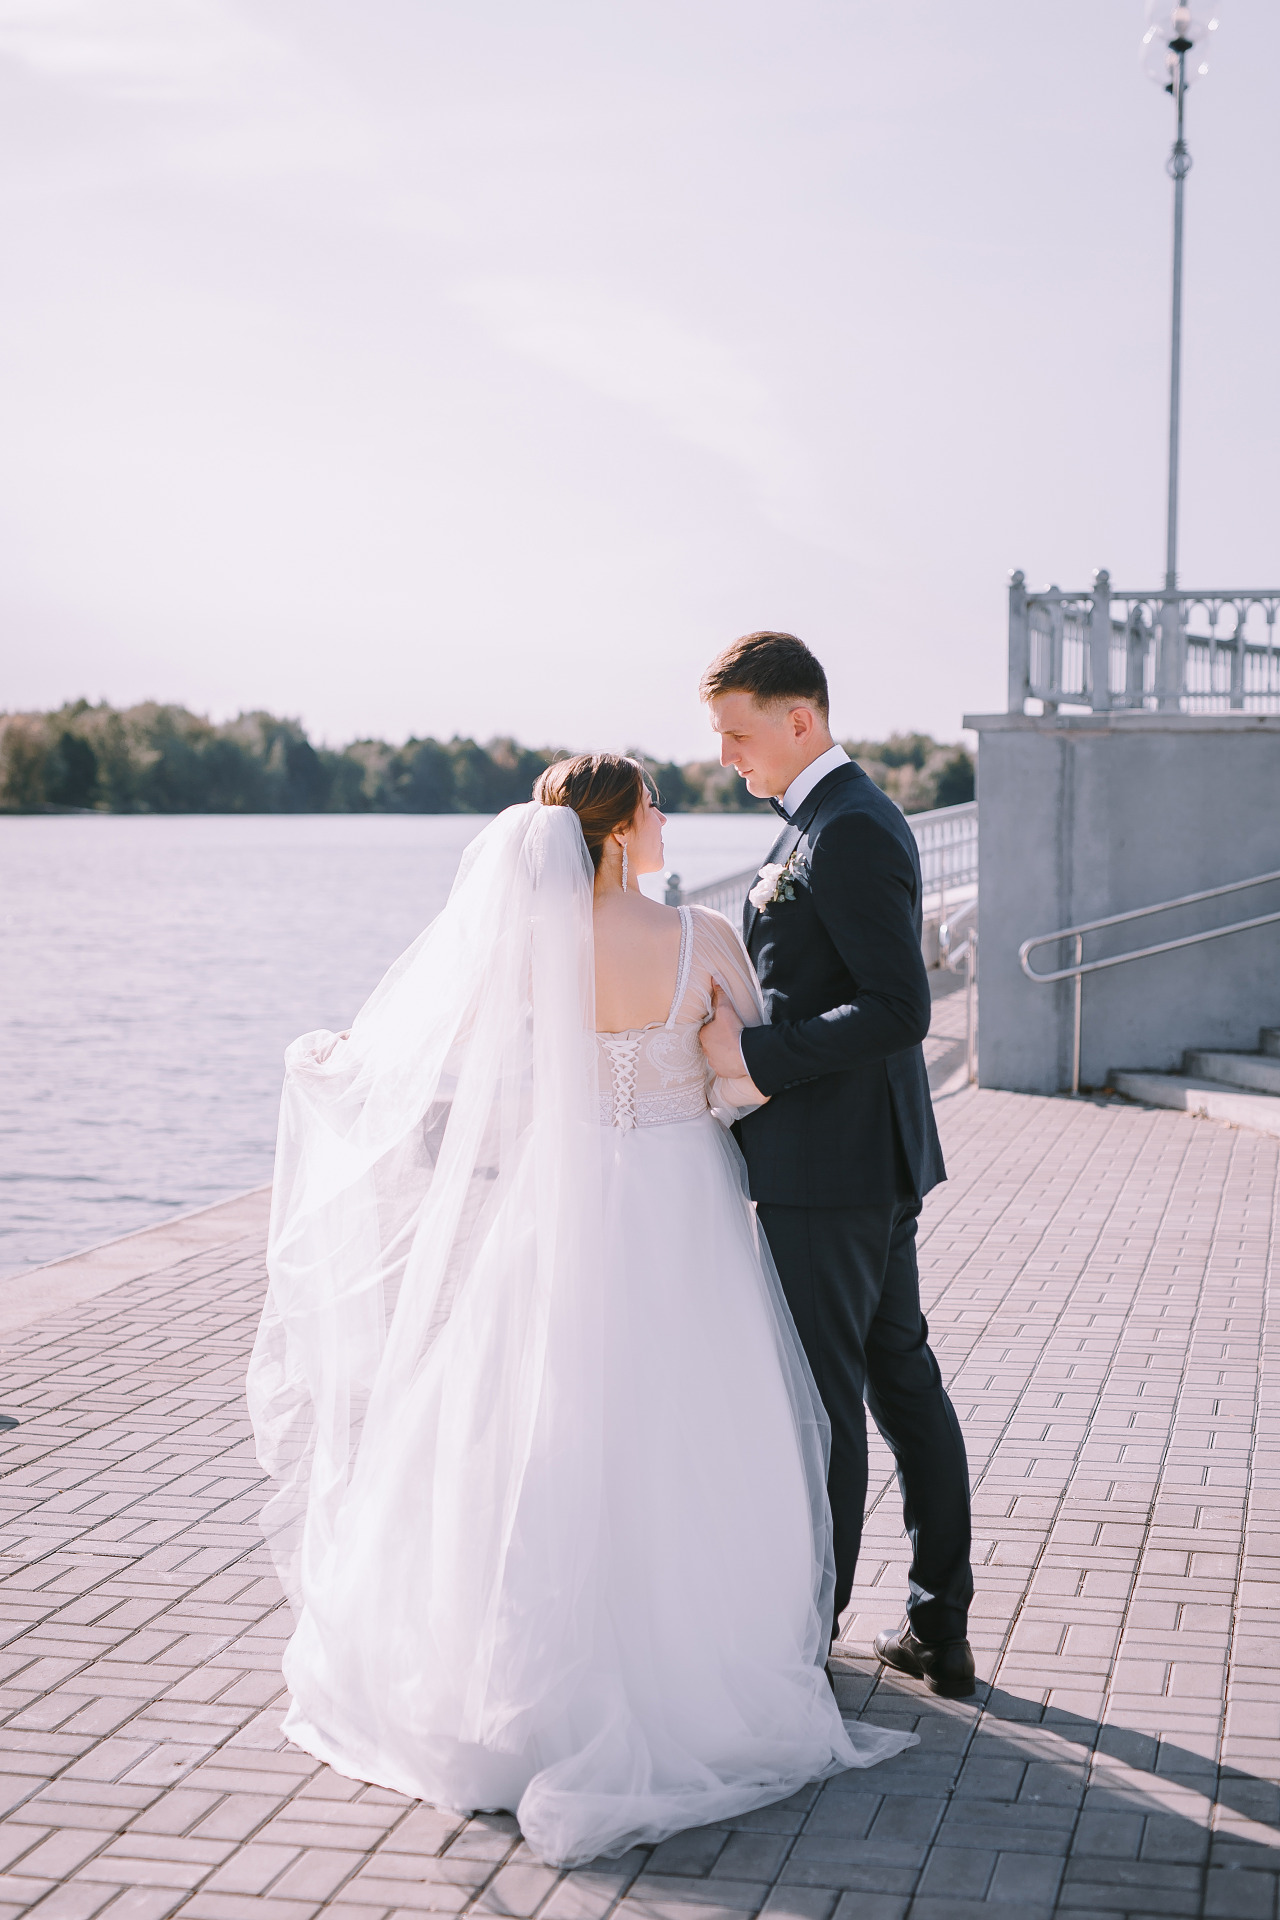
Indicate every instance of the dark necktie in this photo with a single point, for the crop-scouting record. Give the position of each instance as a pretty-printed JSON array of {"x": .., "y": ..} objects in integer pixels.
[{"x": 778, "y": 808}]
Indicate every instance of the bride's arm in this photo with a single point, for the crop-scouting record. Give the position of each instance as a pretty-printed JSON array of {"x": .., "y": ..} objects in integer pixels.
[
  {"x": 736, "y": 1002},
  {"x": 731, "y": 1095}
]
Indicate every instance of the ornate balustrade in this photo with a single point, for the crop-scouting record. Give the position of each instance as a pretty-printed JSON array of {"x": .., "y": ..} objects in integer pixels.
[{"x": 1179, "y": 652}]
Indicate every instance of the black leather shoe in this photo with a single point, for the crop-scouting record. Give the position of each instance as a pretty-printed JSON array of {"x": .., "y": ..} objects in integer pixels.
[{"x": 945, "y": 1666}]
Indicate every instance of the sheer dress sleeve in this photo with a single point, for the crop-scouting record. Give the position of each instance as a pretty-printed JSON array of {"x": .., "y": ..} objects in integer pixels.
[{"x": 720, "y": 959}]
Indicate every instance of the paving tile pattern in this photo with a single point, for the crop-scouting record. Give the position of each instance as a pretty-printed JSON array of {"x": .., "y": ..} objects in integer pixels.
[{"x": 1097, "y": 1285}]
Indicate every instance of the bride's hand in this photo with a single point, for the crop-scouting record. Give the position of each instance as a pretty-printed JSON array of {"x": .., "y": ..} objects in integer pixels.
[
  {"x": 326, "y": 1053},
  {"x": 720, "y": 1038}
]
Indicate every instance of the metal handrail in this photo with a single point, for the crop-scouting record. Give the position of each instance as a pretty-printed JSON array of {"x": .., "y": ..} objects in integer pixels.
[
  {"x": 726, "y": 896},
  {"x": 965, "y": 955},
  {"x": 947, "y": 838},
  {"x": 1082, "y": 966}
]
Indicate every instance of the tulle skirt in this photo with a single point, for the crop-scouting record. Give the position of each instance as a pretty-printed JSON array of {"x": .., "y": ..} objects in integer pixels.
[{"x": 685, "y": 1679}]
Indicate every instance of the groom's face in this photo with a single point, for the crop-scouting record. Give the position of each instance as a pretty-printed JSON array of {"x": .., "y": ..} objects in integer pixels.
[{"x": 767, "y": 745}]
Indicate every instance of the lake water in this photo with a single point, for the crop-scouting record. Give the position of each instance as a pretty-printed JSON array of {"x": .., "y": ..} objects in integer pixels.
[{"x": 152, "y": 971}]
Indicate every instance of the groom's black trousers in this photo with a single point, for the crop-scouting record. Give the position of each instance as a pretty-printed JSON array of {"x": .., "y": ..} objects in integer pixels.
[{"x": 850, "y": 1277}]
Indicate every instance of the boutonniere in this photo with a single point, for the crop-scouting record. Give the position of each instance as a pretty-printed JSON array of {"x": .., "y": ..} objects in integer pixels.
[{"x": 776, "y": 882}]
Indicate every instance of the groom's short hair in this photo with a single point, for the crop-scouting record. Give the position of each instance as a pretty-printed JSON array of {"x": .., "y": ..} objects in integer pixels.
[{"x": 771, "y": 667}]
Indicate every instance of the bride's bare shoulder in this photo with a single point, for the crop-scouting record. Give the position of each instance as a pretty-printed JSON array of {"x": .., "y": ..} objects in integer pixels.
[
  {"x": 658, "y": 911},
  {"x": 636, "y": 910},
  {"x": 624, "y": 919}
]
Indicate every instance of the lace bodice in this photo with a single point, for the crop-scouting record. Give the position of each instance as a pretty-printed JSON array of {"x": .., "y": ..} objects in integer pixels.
[{"x": 651, "y": 1076}]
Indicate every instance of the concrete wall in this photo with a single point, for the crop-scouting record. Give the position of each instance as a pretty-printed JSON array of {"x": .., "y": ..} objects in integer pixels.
[{"x": 1084, "y": 815}]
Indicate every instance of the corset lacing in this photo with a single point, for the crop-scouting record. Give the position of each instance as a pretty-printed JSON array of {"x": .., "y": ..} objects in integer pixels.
[{"x": 623, "y": 1050}]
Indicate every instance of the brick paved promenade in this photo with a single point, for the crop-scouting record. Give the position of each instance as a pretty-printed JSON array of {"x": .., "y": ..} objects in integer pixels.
[{"x": 1097, "y": 1284}]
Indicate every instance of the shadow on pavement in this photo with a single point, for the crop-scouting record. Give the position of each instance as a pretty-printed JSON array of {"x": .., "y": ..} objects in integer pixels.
[{"x": 1008, "y": 1805}]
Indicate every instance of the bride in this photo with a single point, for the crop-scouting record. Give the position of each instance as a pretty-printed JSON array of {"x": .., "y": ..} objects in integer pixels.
[{"x": 550, "y": 1464}]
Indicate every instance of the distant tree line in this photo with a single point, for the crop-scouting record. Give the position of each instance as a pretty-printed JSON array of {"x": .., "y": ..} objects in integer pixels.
[
  {"x": 916, "y": 770},
  {"x": 162, "y": 759}
]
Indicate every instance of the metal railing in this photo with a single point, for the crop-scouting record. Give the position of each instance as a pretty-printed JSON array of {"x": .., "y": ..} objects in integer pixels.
[
  {"x": 1106, "y": 650},
  {"x": 956, "y": 954},
  {"x": 947, "y": 838},
  {"x": 948, "y": 842},
  {"x": 1077, "y": 970},
  {"x": 727, "y": 896}
]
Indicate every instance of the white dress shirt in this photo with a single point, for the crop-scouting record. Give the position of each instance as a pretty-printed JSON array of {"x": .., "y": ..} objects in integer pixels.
[{"x": 805, "y": 782}]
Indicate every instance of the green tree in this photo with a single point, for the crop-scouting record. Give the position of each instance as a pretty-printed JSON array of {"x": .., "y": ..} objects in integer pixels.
[
  {"x": 24, "y": 748},
  {"x": 158, "y": 758},
  {"x": 916, "y": 771},
  {"x": 361, "y": 776},
  {"x": 956, "y": 780},
  {"x": 421, "y": 778},
  {"x": 71, "y": 771},
  {"x": 677, "y": 793}
]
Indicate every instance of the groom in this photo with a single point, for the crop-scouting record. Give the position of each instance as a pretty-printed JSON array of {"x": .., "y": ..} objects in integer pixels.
[{"x": 846, "y": 1149}]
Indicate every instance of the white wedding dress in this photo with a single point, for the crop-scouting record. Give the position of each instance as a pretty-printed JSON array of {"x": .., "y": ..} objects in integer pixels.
[{"x": 551, "y": 1501}]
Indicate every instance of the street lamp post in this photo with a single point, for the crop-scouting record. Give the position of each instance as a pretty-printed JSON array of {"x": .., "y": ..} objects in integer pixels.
[
  {"x": 1174, "y": 35},
  {"x": 1179, "y": 164}
]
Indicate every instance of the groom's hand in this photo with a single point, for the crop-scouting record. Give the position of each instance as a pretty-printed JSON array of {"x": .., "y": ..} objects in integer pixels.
[{"x": 721, "y": 1038}]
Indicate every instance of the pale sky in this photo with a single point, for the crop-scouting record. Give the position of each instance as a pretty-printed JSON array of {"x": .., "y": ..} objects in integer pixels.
[{"x": 484, "y": 366}]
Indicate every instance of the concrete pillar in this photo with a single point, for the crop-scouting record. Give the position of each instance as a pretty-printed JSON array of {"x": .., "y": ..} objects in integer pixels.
[{"x": 1081, "y": 815}]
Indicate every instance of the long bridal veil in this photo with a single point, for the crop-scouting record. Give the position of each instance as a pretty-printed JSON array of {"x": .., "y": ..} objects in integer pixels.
[
  {"x": 549, "y": 1465},
  {"x": 440, "y": 1170}
]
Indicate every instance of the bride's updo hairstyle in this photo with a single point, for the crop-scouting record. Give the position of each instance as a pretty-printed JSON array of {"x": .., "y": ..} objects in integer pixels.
[{"x": 605, "y": 790}]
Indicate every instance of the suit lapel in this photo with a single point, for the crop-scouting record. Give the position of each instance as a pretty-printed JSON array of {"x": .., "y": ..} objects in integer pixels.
[
  {"x": 779, "y": 853},
  {"x": 792, "y": 834}
]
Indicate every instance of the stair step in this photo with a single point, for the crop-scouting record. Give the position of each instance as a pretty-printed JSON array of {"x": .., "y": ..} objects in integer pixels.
[
  {"x": 1255, "y": 1072},
  {"x": 1269, "y": 1041},
  {"x": 1260, "y": 1112}
]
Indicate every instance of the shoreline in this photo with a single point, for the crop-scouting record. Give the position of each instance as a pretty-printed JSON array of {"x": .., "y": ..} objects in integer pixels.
[{"x": 77, "y": 1277}]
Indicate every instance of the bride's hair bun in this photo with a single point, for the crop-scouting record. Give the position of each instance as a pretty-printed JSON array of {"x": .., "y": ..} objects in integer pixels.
[{"x": 605, "y": 790}]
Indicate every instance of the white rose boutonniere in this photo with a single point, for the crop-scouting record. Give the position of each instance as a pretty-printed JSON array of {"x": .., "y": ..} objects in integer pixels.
[{"x": 775, "y": 884}]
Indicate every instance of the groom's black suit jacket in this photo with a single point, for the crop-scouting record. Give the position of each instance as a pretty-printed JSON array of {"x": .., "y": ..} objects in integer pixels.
[{"x": 846, "y": 994}]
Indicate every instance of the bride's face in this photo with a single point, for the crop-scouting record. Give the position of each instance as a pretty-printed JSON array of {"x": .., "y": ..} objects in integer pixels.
[{"x": 644, "y": 838}]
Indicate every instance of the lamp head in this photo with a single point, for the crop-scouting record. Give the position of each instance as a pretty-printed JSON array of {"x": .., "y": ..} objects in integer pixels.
[{"x": 1178, "y": 33}]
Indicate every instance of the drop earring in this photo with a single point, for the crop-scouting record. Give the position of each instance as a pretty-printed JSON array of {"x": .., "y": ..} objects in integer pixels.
[{"x": 624, "y": 866}]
